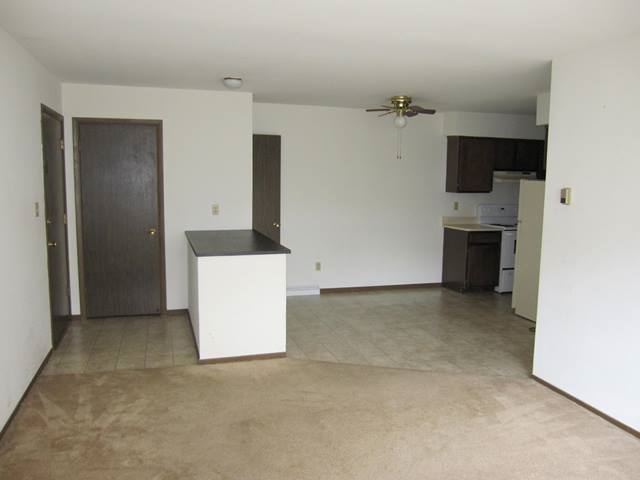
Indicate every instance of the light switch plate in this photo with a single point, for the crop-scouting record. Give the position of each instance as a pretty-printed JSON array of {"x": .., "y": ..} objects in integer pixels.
[
  {"x": 215, "y": 209},
  {"x": 565, "y": 196}
]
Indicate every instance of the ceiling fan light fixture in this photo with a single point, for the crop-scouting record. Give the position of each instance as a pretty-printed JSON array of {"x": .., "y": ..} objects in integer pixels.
[
  {"x": 232, "y": 83},
  {"x": 401, "y": 106},
  {"x": 400, "y": 121}
]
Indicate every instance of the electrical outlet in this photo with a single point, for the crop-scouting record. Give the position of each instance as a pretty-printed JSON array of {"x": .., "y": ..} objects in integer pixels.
[
  {"x": 456, "y": 205},
  {"x": 215, "y": 209},
  {"x": 36, "y": 207},
  {"x": 318, "y": 266}
]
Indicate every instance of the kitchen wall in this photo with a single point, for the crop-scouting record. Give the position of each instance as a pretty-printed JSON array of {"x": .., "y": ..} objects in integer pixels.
[
  {"x": 24, "y": 292},
  {"x": 588, "y": 314},
  {"x": 348, "y": 203},
  {"x": 207, "y": 159},
  {"x": 491, "y": 125}
]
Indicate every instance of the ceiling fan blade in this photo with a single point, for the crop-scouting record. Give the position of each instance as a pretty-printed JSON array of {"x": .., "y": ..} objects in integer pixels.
[
  {"x": 418, "y": 109},
  {"x": 377, "y": 109},
  {"x": 383, "y": 114},
  {"x": 410, "y": 113}
]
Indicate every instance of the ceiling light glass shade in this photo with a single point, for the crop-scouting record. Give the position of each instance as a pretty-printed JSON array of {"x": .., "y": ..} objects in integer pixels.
[
  {"x": 400, "y": 121},
  {"x": 232, "y": 82}
]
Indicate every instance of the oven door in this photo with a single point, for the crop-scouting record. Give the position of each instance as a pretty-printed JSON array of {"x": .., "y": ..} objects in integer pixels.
[{"x": 508, "y": 249}]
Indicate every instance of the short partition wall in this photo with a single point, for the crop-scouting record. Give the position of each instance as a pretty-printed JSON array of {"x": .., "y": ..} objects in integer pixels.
[{"x": 237, "y": 305}]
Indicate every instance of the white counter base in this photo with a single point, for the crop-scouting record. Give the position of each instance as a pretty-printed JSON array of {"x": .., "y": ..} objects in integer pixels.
[{"x": 238, "y": 305}]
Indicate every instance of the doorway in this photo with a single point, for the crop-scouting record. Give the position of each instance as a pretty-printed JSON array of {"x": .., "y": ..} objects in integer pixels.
[
  {"x": 119, "y": 204},
  {"x": 55, "y": 198},
  {"x": 266, "y": 185}
]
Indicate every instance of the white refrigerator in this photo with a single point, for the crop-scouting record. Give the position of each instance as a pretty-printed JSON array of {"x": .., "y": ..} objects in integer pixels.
[{"x": 527, "y": 264}]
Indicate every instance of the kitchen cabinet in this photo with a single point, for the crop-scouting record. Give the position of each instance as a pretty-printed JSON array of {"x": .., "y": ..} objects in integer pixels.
[
  {"x": 529, "y": 155},
  {"x": 518, "y": 155},
  {"x": 470, "y": 164},
  {"x": 471, "y": 259},
  {"x": 471, "y": 161},
  {"x": 505, "y": 154}
]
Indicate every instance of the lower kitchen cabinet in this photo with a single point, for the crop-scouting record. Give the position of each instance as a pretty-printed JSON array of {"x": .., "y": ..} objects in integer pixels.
[{"x": 471, "y": 259}]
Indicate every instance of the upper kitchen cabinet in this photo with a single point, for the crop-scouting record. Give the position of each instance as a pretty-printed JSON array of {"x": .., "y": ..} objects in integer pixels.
[
  {"x": 505, "y": 154},
  {"x": 470, "y": 163},
  {"x": 518, "y": 155},
  {"x": 529, "y": 155}
]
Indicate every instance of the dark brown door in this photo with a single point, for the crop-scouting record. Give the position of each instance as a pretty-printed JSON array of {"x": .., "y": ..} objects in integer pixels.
[
  {"x": 56, "y": 221},
  {"x": 475, "y": 173},
  {"x": 119, "y": 171},
  {"x": 266, "y": 185}
]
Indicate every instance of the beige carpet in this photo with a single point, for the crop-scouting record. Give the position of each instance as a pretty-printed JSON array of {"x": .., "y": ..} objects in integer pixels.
[{"x": 285, "y": 419}]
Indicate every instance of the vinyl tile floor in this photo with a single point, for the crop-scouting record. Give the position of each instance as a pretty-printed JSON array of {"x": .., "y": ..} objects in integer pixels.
[
  {"x": 430, "y": 329},
  {"x": 105, "y": 344},
  {"x": 433, "y": 329}
]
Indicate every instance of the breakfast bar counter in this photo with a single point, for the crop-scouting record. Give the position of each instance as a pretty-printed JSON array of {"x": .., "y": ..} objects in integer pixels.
[{"x": 237, "y": 295}]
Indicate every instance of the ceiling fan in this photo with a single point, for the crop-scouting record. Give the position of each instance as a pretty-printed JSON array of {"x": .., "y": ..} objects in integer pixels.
[{"x": 401, "y": 106}]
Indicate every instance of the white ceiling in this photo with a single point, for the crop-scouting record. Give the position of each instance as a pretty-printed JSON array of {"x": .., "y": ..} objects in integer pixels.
[{"x": 489, "y": 55}]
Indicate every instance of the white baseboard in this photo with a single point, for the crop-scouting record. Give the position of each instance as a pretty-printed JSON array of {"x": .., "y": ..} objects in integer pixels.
[{"x": 307, "y": 290}]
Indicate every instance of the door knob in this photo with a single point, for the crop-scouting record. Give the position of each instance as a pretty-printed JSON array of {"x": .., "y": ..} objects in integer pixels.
[
  {"x": 152, "y": 231},
  {"x": 277, "y": 225},
  {"x": 52, "y": 244}
]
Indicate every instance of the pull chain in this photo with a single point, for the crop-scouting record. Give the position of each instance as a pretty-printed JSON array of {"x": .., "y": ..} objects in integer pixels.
[{"x": 399, "y": 144}]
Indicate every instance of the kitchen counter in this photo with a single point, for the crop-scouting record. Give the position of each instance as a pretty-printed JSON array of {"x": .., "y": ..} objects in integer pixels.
[
  {"x": 473, "y": 227},
  {"x": 237, "y": 295},
  {"x": 218, "y": 243}
]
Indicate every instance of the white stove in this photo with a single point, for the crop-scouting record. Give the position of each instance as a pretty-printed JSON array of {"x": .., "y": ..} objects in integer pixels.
[{"x": 504, "y": 217}]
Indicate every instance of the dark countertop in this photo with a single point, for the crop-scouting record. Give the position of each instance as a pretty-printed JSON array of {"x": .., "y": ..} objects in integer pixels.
[{"x": 218, "y": 243}]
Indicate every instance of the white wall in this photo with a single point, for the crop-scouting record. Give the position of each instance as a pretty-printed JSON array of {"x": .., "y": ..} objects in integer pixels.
[
  {"x": 207, "y": 159},
  {"x": 348, "y": 203},
  {"x": 588, "y": 330},
  {"x": 24, "y": 293},
  {"x": 492, "y": 125}
]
